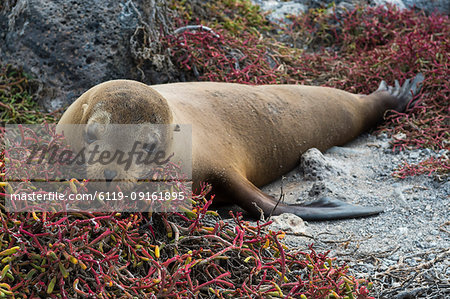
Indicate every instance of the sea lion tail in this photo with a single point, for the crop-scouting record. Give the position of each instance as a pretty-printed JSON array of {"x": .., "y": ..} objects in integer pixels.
[{"x": 406, "y": 93}]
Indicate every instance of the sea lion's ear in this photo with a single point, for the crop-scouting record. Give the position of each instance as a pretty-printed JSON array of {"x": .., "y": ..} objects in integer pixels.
[{"x": 84, "y": 107}]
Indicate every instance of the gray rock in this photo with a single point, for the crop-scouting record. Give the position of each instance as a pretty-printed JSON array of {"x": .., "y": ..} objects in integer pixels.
[
  {"x": 279, "y": 10},
  {"x": 315, "y": 166},
  {"x": 398, "y": 3},
  {"x": 70, "y": 46},
  {"x": 319, "y": 189},
  {"x": 430, "y": 6}
]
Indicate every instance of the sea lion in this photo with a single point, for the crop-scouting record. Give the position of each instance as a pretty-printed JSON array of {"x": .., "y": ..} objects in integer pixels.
[{"x": 243, "y": 136}]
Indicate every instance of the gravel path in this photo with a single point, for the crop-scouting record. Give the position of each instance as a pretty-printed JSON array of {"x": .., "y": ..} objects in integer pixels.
[{"x": 406, "y": 250}]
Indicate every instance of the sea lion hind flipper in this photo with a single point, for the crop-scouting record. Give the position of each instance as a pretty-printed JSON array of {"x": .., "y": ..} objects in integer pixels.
[
  {"x": 405, "y": 93},
  {"x": 246, "y": 195},
  {"x": 332, "y": 209}
]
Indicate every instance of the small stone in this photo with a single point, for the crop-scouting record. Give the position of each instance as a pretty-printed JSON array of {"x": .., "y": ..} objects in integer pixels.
[
  {"x": 399, "y": 136},
  {"x": 414, "y": 155},
  {"x": 289, "y": 223}
]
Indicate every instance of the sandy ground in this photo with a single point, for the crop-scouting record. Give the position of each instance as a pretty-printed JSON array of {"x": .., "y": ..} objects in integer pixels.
[{"x": 405, "y": 251}]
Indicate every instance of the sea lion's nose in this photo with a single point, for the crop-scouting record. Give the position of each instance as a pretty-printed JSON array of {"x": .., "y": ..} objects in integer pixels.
[{"x": 109, "y": 175}]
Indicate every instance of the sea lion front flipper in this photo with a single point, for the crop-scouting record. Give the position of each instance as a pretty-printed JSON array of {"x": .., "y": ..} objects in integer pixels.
[{"x": 246, "y": 195}]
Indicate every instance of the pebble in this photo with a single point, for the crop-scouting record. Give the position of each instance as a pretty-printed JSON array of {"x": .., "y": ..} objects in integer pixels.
[
  {"x": 414, "y": 155},
  {"x": 288, "y": 223}
]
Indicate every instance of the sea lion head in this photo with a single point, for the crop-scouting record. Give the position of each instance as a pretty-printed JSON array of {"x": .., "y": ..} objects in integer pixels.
[
  {"x": 124, "y": 102},
  {"x": 120, "y": 116}
]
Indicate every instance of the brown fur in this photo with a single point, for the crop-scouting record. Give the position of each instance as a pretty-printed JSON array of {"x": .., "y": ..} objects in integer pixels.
[{"x": 243, "y": 136}]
